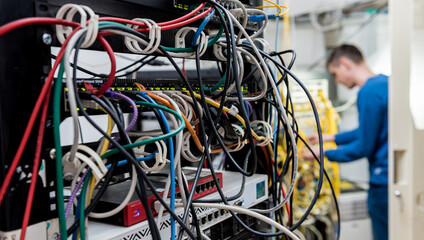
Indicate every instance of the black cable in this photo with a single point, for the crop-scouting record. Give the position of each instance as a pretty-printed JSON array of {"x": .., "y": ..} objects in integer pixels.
[
  {"x": 120, "y": 112},
  {"x": 143, "y": 193},
  {"x": 83, "y": 69},
  {"x": 195, "y": 220},
  {"x": 133, "y": 64},
  {"x": 209, "y": 161},
  {"x": 140, "y": 187},
  {"x": 327, "y": 177},
  {"x": 237, "y": 81},
  {"x": 237, "y": 195},
  {"x": 195, "y": 109},
  {"x": 318, "y": 125},
  {"x": 284, "y": 75},
  {"x": 201, "y": 124},
  {"x": 192, "y": 210},
  {"x": 333, "y": 193},
  {"x": 214, "y": 133},
  {"x": 137, "y": 68},
  {"x": 119, "y": 70},
  {"x": 137, "y": 166}
]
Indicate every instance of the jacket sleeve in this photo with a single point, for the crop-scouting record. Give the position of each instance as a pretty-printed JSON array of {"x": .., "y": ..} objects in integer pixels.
[
  {"x": 370, "y": 106},
  {"x": 346, "y": 137}
]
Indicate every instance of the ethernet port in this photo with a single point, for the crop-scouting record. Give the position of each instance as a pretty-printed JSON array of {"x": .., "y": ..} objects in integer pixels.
[
  {"x": 216, "y": 214},
  {"x": 222, "y": 212},
  {"x": 212, "y": 184},
  {"x": 198, "y": 189},
  {"x": 202, "y": 187},
  {"x": 210, "y": 217},
  {"x": 208, "y": 185},
  {"x": 203, "y": 220}
]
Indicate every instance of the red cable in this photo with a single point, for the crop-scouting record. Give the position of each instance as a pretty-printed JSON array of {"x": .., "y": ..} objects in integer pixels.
[
  {"x": 183, "y": 69},
  {"x": 287, "y": 205},
  {"x": 122, "y": 20},
  {"x": 35, "y": 20},
  {"x": 32, "y": 119},
  {"x": 36, "y": 165},
  {"x": 163, "y": 27},
  {"x": 284, "y": 194},
  {"x": 180, "y": 24},
  {"x": 111, "y": 77}
]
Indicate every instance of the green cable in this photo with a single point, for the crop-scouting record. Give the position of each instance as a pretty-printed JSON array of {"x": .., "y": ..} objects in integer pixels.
[
  {"x": 113, "y": 23},
  {"x": 217, "y": 86},
  {"x": 151, "y": 140},
  {"x": 82, "y": 206},
  {"x": 58, "y": 147}
]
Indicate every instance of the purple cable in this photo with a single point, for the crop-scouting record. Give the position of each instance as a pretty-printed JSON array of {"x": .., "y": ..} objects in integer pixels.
[
  {"x": 74, "y": 193},
  {"x": 135, "y": 112},
  {"x": 250, "y": 108},
  {"x": 223, "y": 162},
  {"x": 134, "y": 106}
]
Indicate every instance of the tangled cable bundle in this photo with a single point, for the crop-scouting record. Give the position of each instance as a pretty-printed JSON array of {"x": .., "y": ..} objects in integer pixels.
[{"x": 247, "y": 112}]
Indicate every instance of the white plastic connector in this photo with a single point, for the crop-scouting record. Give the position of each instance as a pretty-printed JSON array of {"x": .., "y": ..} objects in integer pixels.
[
  {"x": 233, "y": 111},
  {"x": 236, "y": 12}
]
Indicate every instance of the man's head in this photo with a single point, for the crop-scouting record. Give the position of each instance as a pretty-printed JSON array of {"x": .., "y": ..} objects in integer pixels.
[{"x": 344, "y": 63}]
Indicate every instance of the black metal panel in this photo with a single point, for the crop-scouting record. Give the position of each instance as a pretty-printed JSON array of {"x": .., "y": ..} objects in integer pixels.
[{"x": 24, "y": 63}]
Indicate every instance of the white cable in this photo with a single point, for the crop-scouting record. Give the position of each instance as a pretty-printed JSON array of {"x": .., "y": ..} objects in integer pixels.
[
  {"x": 245, "y": 17},
  {"x": 124, "y": 202},
  {"x": 285, "y": 118},
  {"x": 183, "y": 106},
  {"x": 299, "y": 234},
  {"x": 267, "y": 131},
  {"x": 92, "y": 28},
  {"x": 217, "y": 51},
  {"x": 68, "y": 12},
  {"x": 79, "y": 156},
  {"x": 204, "y": 236},
  {"x": 62, "y": 32},
  {"x": 240, "y": 133},
  {"x": 253, "y": 60},
  {"x": 346, "y": 105},
  {"x": 249, "y": 212},
  {"x": 95, "y": 157},
  {"x": 264, "y": 43},
  {"x": 189, "y": 99},
  {"x": 202, "y": 41},
  {"x": 177, "y": 160},
  {"x": 317, "y": 233},
  {"x": 186, "y": 152},
  {"x": 71, "y": 91},
  {"x": 264, "y": 23},
  {"x": 160, "y": 155},
  {"x": 154, "y": 36}
]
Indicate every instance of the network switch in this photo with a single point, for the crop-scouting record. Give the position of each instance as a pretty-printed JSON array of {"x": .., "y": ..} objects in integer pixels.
[{"x": 255, "y": 191}]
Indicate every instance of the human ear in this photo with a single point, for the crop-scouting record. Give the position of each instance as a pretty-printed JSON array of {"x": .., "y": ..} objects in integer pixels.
[{"x": 345, "y": 62}]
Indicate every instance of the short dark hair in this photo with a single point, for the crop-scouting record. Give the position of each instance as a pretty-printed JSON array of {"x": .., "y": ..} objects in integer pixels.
[{"x": 345, "y": 50}]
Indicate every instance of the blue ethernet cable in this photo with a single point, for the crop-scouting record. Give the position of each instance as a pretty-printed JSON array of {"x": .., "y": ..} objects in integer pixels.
[{"x": 171, "y": 161}]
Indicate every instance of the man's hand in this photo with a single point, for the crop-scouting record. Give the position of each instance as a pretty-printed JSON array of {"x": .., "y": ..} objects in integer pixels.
[
  {"x": 308, "y": 154},
  {"x": 325, "y": 137}
]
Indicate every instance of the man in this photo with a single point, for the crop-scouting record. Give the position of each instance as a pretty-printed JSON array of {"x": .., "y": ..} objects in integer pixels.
[{"x": 369, "y": 140}]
